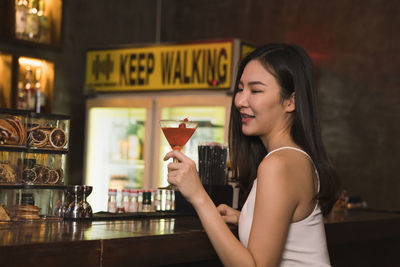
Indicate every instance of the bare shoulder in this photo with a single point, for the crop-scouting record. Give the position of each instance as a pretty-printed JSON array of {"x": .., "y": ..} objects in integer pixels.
[
  {"x": 274, "y": 166},
  {"x": 280, "y": 172}
]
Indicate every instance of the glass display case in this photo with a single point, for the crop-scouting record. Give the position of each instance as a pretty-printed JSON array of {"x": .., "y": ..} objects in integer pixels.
[
  {"x": 33, "y": 150},
  {"x": 30, "y": 202},
  {"x": 48, "y": 132}
]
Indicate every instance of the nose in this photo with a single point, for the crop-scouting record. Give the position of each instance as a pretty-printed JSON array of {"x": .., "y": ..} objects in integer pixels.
[{"x": 241, "y": 100}]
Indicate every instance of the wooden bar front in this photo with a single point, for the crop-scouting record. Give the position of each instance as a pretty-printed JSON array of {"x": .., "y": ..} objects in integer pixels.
[{"x": 356, "y": 238}]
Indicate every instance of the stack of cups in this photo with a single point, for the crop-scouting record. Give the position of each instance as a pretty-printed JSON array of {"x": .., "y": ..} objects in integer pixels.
[{"x": 212, "y": 163}]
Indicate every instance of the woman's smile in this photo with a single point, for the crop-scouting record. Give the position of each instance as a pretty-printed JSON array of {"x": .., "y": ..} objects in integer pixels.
[{"x": 246, "y": 117}]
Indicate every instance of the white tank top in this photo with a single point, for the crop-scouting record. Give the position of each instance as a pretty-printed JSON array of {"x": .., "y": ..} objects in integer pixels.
[{"x": 306, "y": 242}]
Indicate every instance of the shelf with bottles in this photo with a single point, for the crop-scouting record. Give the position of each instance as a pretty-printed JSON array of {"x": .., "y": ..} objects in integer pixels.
[
  {"x": 35, "y": 85},
  {"x": 128, "y": 141},
  {"x": 32, "y": 21},
  {"x": 5, "y": 80}
]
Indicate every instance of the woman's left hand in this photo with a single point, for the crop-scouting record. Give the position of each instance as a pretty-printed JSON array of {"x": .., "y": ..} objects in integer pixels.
[{"x": 184, "y": 176}]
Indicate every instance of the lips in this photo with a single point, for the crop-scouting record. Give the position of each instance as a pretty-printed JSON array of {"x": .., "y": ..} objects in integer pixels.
[{"x": 246, "y": 117}]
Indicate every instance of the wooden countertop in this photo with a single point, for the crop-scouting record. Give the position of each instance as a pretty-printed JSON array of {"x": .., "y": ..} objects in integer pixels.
[{"x": 178, "y": 240}]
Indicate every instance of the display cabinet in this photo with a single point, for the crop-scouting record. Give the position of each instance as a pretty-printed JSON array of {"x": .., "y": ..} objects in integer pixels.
[
  {"x": 26, "y": 83},
  {"x": 33, "y": 150},
  {"x": 31, "y": 21},
  {"x": 35, "y": 85},
  {"x": 48, "y": 132},
  {"x": 31, "y": 202}
]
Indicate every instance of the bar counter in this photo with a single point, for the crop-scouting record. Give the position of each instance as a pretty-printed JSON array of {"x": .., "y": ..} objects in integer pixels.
[{"x": 355, "y": 238}]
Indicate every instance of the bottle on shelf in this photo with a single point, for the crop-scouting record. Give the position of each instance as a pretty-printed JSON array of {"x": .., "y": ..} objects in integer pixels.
[
  {"x": 126, "y": 199},
  {"x": 146, "y": 206},
  {"x": 21, "y": 12},
  {"x": 133, "y": 205},
  {"x": 168, "y": 200},
  {"x": 21, "y": 97},
  {"x": 32, "y": 21},
  {"x": 29, "y": 89},
  {"x": 40, "y": 99},
  {"x": 112, "y": 200},
  {"x": 43, "y": 23},
  {"x": 133, "y": 140},
  {"x": 157, "y": 200},
  {"x": 140, "y": 200}
]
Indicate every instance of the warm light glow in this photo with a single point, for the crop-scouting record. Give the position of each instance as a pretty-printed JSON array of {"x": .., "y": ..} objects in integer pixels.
[{"x": 30, "y": 61}]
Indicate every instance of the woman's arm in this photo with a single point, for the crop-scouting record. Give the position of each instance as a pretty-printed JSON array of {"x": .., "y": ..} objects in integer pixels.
[
  {"x": 275, "y": 204},
  {"x": 269, "y": 229},
  {"x": 229, "y": 215}
]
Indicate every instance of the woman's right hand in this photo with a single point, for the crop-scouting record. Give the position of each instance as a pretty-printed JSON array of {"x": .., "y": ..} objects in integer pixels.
[{"x": 228, "y": 214}]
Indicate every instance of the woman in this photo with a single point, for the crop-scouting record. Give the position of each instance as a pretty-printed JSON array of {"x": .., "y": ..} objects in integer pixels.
[{"x": 276, "y": 150}]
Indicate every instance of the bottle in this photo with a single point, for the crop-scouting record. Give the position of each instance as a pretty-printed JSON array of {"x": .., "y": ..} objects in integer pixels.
[
  {"x": 21, "y": 98},
  {"x": 133, "y": 140},
  {"x": 43, "y": 23},
  {"x": 168, "y": 200},
  {"x": 125, "y": 200},
  {"x": 140, "y": 200},
  {"x": 133, "y": 205},
  {"x": 173, "y": 200},
  {"x": 153, "y": 194},
  {"x": 32, "y": 21},
  {"x": 146, "y": 207},
  {"x": 124, "y": 149},
  {"x": 157, "y": 200},
  {"x": 112, "y": 200},
  {"x": 29, "y": 89},
  {"x": 40, "y": 98},
  {"x": 21, "y": 11}
]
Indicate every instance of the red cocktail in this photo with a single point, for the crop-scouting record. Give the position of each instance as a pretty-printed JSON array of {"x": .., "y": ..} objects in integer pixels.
[
  {"x": 178, "y": 132},
  {"x": 177, "y": 137}
]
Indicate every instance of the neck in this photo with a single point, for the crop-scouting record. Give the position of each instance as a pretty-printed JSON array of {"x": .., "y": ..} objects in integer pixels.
[{"x": 278, "y": 140}]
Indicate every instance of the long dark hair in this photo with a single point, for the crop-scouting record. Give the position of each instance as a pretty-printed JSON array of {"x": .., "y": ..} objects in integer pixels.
[{"x": 293, "y": 70}]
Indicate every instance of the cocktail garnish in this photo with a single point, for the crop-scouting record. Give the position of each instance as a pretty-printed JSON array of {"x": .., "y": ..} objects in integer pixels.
[{"x": 182, "y": 125}]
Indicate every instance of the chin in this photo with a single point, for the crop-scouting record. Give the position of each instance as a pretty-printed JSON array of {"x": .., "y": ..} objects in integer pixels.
[{"x": 247, "y": 132}]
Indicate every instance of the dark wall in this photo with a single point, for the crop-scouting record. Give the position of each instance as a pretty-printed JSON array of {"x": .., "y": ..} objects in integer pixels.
[
  {"x": 354, "y": 45},
  {"x": 355, "y": 48},
  {"x": 89, "y": 24}
]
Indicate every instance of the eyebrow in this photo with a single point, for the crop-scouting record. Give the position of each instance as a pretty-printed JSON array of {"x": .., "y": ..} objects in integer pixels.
[{"x": 253, "y": 83}]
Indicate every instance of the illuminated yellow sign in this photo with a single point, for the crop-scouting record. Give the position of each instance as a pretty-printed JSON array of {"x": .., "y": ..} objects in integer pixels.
[
  {"x": 191, "y": 66},
  {"x": 245, "y": 49}
]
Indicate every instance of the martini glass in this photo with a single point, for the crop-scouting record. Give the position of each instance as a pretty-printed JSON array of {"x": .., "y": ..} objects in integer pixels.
[{"x": 177, "y": 134}]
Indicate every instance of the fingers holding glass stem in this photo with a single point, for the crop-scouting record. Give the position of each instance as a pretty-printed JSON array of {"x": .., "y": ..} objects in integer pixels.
[{"x": 182, "y": 174}]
